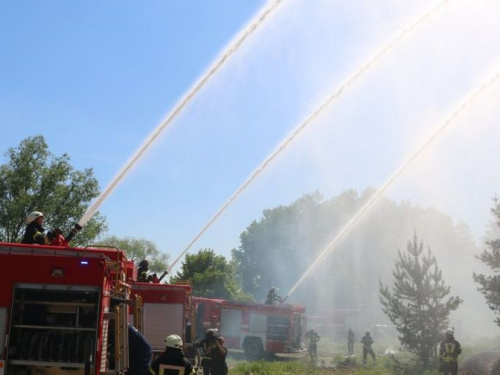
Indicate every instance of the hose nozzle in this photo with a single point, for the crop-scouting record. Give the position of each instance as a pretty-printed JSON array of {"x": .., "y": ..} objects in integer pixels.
[{"x": 73, "y": 232}]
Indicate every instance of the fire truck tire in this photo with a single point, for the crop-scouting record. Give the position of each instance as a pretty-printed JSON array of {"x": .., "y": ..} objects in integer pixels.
[{"x": 253, "y": 348}]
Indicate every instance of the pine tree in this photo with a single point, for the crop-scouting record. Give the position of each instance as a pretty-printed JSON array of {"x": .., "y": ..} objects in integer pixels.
[
  {"x": 490, "y": 284},
  {"x": 418, "y": 304}
]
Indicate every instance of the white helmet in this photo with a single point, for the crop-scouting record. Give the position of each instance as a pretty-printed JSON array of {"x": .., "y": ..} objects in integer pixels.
[
  {"x": 450, "y": 331},
  {"x": 173, "y": 341},
  {"x": 33, "y": 216}
]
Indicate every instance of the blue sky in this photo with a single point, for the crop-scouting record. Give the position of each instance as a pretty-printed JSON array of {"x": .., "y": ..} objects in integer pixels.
[{"x": 96, "y": 78}]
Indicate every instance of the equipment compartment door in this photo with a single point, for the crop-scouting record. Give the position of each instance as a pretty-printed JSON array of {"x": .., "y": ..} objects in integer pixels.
[
  {"x": 161, "y": 320},
  {"x": 230, "y": 326}
]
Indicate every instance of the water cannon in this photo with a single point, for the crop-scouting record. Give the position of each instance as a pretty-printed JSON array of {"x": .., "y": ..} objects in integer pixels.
[
  {"x": 73, "y": 232},
  {"x": 162, "y": 276}
]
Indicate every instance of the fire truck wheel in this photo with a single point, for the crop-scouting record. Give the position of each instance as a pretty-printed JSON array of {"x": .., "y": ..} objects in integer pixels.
[{"x": 253, "y": 348}]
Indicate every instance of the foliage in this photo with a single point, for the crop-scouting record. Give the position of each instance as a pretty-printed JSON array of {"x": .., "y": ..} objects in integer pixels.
[
  {"x": 138, "y": 249},
  {"x": 278, "y": 248},
  {"x": 271, "y": 368},
  {"x": 211, "y": 276},
  {"x": 35, "y": 180},
  {"x": 417, "y": 304},
  {"x": 270, "y": 249},
  {"x": 490, "y": 284},
  {"x": 306, "y": 368}
]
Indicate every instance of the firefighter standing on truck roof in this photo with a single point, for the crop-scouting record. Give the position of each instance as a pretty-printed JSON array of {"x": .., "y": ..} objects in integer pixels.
[
  {"x": 34, "y": 233},
  {"x": 449, "y": 350},
  {"x": 142, "y": 272},
  {"x": 173, "y": 356},
  {"x": 272, "y": 297}
]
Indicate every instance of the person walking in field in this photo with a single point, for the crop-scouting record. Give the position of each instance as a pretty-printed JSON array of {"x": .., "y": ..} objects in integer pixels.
[
  {"x": 367, "y": 342},
  {"x": 313, "y": 339},
  {"x": 350, "y": 342}
]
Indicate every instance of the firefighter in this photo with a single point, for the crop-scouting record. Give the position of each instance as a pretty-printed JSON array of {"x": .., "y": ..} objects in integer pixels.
[
  {"x": 350, "y": 341},
  {"x": 367, "y": 342},
  {"x": 313, "y": 338},
  {"x": 207, "y": 344},
  {"x": 173, "y": 356},
  {"x": 449, "y": 350},
  {"x": 219, "y": 352},
  {"x": 142, "y": 272},
  {"x": 34, "y": 233},
  {"x": 272, "y": 297}
]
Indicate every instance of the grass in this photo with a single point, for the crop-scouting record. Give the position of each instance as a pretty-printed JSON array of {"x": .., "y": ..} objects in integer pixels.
[{"x": 334, "y": 361}]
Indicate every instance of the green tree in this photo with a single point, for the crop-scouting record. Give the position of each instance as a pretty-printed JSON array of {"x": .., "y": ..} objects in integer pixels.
[
  {"x": 272, "y": 249},
  {"x": 418, "y": 304},
  {"x": 33, "y": 179},
  {"x": 490, "y": 284},
  {"x": 211, "y": 276},
  {"x": 138, "y": 249}
]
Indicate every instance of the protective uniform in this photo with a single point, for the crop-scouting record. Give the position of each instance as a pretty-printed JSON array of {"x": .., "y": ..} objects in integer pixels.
[
  {"x": 272, "y": 297},
  {"x": 142, "y": 272},
  {"x": 219, "y": 352},
  {"x": 367, "y": 342},
  {"x": 449, "y": 350},
  {"x": 313, "y": 338},
  {"x": 350, "y": 341},
  {"x": 34, "y": 232},
  {"x": 207, "y": 344},
  {"x": 173, "y": 355}
]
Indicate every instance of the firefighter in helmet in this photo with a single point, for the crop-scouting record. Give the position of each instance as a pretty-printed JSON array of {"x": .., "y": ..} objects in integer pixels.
[
  {"x": 449, "y": 350},
  {"x": 142, "y": 272},
  {"x": 367, "y": 341},
  {"x": 173, "y": 356},
  {"x": 272, "y": 297},
  {"x": 207, "y": 345},
  {"x": 34, "y": 232}
]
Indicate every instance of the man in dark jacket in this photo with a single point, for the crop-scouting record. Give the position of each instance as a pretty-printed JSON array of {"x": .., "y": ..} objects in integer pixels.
[
  {"x": 34, "y": 233},
  {"x": 207, "y": 345},
  {"x": 367, "y": 342},
  {"x": 313, "y": 339},
  {"x": 449, "y": 350},
  {"x": 350, "y": 341},
  {"x": 173, "y": 356}
]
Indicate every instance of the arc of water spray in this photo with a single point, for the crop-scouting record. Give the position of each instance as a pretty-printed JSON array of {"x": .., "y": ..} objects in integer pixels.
[
  {"x": 465, "y": 103},
  {"x": 306, "y": 122},
  {"x": 223, "y": 57}
]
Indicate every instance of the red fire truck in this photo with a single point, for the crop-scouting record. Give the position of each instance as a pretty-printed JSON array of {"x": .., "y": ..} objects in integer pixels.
[
  {"x": 63, "y": 310},
  {"x": 254, "y": 327}
]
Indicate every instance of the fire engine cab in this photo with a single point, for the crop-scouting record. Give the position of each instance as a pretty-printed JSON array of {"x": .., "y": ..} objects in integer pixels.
[
  {"x": 254, "y": 327},
  {"x": 63, "y": 310}
]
